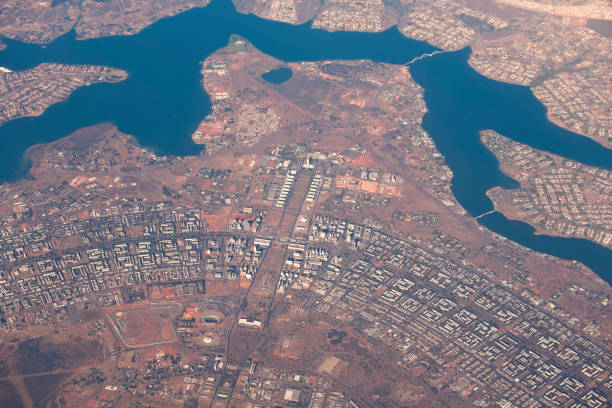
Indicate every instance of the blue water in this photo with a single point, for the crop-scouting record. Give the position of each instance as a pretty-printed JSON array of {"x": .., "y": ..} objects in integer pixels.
[
  {"x": 162, "y": 102},
  {"x": 278, "y": 75}
]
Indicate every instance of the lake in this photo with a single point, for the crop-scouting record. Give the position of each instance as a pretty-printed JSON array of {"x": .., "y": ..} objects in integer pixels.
[
  {"x": 162, "y": 102},
  {"x": 278, "y": 75}
]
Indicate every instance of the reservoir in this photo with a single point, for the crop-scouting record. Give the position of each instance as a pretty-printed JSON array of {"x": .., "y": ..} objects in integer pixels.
[
  {"x": 278, "y": 75},
  {"x": 162, "y": 102}
]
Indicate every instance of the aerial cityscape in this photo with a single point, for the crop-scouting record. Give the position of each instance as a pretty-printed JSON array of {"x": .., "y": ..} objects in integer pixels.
[{"x": 300, "y": 203}]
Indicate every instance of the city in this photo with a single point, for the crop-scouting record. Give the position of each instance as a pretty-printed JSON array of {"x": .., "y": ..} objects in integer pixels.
[
  {"x": 309, "y": 241},
  {"x": 193, "y": 276}
]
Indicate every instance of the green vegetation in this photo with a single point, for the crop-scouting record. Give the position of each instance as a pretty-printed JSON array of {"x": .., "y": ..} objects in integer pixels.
[
  {"x": 400, "y": 5},
  {"x": 549, "y": 73},
  {"x": 476, "y": 23},
  {"x": 236, "y": 44}
]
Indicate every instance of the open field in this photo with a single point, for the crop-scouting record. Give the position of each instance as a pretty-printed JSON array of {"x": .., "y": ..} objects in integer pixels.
[{"x": 144, "y": 325}]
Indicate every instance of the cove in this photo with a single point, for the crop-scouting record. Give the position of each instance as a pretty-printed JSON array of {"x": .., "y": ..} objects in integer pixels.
[{"x": 162, "y": 102}]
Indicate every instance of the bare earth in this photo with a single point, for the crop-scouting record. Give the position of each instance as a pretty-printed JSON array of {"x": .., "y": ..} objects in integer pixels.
[{"x": 313, "y": 252}]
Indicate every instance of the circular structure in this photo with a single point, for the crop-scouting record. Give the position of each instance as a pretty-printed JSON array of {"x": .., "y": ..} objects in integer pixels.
[
  {"x": 211, "y": 317},
  {"x": 278, "y": 75}
]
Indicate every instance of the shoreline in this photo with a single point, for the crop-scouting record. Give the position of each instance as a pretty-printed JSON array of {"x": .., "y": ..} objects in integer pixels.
[
  {"x": 122, "y": 74},
  {"x": 538, "y": 230}
]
